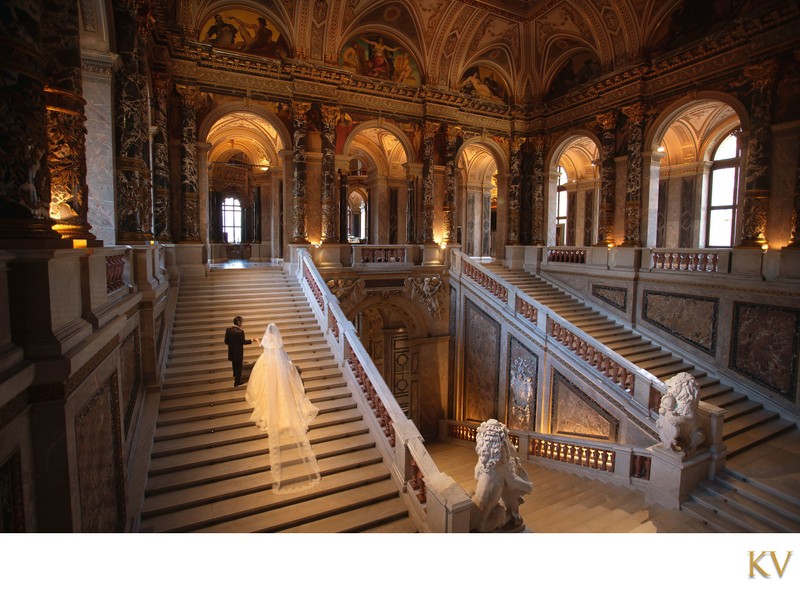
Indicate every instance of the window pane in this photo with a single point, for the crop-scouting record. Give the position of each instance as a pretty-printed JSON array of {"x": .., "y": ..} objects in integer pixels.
[
  {"x": 726, "y": 149},
  {"x": 720, "y": 227},
  {"x": 722, "y": 185},
  {"x": 562, "y": 204}
]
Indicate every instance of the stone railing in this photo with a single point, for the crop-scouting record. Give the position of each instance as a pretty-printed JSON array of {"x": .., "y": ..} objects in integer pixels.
[
  {"x": 690, "y": 260},
  {"x": 436, "y": 503},
  {"x": 620, "y": 461},
  {"x": 379, "y": 254},
  {"x": 566, "y": 255}
]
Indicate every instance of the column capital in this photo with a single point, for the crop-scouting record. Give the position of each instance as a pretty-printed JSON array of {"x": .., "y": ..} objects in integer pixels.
[{"x": 607, "y": 120}]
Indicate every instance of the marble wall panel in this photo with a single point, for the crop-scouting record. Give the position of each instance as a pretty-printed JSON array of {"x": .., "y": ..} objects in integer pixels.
[
  {"x": 616, "y": 297},
  {"x": 130, "y": 355},
  {"x": 764, "y": 345},
  {"x": 98, "y": 439},
  {"x": 523, "y": 366},
  {"x": 687, "y": 213},
  {"x": 576, "y": 414},
  {"x": 100, "y": 157},
  {"x": 481, "y": 364},
  {"x": 690, "y": 318}
]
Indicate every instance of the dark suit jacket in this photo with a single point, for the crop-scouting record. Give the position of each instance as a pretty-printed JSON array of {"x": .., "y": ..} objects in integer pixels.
[{"x": 234, "y": 339}]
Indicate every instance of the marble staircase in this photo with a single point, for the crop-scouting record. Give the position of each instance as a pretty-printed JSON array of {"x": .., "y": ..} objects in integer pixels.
[
  {"x": 735, "y": 501},
  {"x": 209, "y": 468}
]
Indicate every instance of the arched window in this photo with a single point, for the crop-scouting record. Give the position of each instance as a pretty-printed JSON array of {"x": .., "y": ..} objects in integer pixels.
[
  {"x": 722, "y": 192},
  {"x": 561, "y": 213},
  {"x": 232, "y": 220}
]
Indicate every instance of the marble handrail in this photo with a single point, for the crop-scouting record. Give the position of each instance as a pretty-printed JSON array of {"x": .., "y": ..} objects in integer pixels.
[{"x": 400, "y": 441}]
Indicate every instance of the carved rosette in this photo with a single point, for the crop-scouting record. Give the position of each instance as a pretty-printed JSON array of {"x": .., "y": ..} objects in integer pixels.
[
  {"x": 512, "y": 237},
  {"x": 757, "y": 186},
  {"x": 538, "y": 190},
  {"x": 608, "y": 134},
  {"x": 330, "y": 207},
  {"x": 134, "y": 211},
  {"x": 299, "y": 205},
  {"x": 190, "y": 198},
  {"x": 24, "y": 176},
  {"x": 161, "y": 187},
  {"x": 453, "y": 137},
  {"x": 633, "y": 186},
  {"x": 427, "y": 181}
]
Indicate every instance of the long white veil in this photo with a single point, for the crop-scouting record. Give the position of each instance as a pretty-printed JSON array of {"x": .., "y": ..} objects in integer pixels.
[{"x": 280, "y": 406}]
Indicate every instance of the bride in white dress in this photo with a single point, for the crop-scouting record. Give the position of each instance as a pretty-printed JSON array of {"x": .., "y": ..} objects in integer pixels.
[{"x": 280, "y": 406}]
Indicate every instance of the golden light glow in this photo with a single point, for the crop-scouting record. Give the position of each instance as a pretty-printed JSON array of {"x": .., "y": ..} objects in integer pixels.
[
  {"x": 78, "y": 243},
  {"x": 443, "y": 244},
  {"x": 765, "y": 247}
]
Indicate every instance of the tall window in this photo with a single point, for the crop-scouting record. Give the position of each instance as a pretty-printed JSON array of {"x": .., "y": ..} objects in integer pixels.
[
  {"x": 232, "y": 220},
  {"x": 561, "y": 214},
  {"x": 723, "y": 189}
]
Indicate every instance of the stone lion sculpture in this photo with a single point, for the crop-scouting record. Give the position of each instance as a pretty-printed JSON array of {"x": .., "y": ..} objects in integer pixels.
[
  {"x": 678, "y": 422},
  {"x": 501, "y": 481}
]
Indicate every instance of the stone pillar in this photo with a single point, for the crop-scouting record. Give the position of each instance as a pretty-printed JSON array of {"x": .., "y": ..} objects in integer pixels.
[
  {"x": 427, "y": 181},
  {"x": 203, "y": 150},
  {"x": 134, "y": 198},
  {"x": 608, "y": 134},
  {"x": 24, "y": 175},
  {"x": 633, "y": 183},
  {"x": 757, "y": 183},
  {"x": 453, "y": 138},
  {"x": 512, "y": 233},
  {"x": 411, "y": 206},
  {"x": 162, "y": 85},
  {"x": 299, "y": 204},
  {"x": 343, "y": 190},
  {"x": 190, "y": 197},
  {"x": 330, "y": 203},
  {"x": 66, "y": 130},
  {"x": 538, "y": 238}
]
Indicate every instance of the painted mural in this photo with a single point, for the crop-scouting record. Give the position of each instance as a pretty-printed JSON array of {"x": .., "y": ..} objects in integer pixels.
[
  {"x": 380, "y": 57},
  {"x": 579, "y": 69},
  {"x": 244, "y": 31},
  {"x": 484, "y": 83}
]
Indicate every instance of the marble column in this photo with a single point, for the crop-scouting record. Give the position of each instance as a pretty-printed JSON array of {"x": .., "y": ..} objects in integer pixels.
[
  {"x": 757, "y": 174},
  {"x": 428, "y": 181},
  {"x": 343, "y": 190},
  {"x": 512, "y": 233},
  {"x": 538, "y": 237},
  {"x": 162, "y": 85},
  {"x": 299, "y": 206},
  {"x": 453, "y": 140},
  {"x": 330, "y": 203},
  {"x": 633, "y": 182},
  {"x": 190, "y": 196},
  {"x": 411, "y": 200},
  {"x": 794, "y": 240},
  {"x": 203, "y": 150},
  {"x": 608, "y": 134},
  {"x": 134, "y": 198},
  {"x": 24, "y": 175},
  {"x": 66, "y": 120}
]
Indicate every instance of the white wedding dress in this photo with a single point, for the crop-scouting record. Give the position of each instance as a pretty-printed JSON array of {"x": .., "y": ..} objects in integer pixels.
[{"x": 280, "y": 406}]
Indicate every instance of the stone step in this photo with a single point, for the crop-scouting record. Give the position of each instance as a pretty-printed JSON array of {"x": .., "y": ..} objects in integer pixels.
[
  {"x": 208, "y": 514},
  {"x": 747, "y": 422},
  {"x": 183, "y": 498},
  {"x": 755, "y": 436},
  {"x": 247, "y": 464},
  {"x": 709, "y": 517},
  {"x": 772, "y": 510},
  {"x": 378, "y": 499},
  {"x": 177, "y": 404},
  {"x": 400, "y": 526},
  {"x": 723, "y": 508}
]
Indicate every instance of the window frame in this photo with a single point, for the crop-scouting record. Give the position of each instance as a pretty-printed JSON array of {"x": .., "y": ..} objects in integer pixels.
[
  {"x": 234, "y": 209},
  {"x": 717, "y": 165}
]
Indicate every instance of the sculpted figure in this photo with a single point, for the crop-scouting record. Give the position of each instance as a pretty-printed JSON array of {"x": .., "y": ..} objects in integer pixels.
[
  {"x": 678, "y": 421},
  {"x": 502, "y": 481}
]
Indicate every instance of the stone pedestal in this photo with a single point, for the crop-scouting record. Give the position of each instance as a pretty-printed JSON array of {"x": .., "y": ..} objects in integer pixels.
[
  {"x": 433, "y": 254},
  {"x": 746, "y": 263},
  {"x": 627, "y": 258},
  {"x": 448, "y": 505},
  {"x": 189, "y": 260},
  {"x": 514, "y": 257},
  {"x": 672, "y": 477},
  {"x": 328, "y": 255},
  {"x": 154, "y": 294},
  {"x": 789, "y": 263}
]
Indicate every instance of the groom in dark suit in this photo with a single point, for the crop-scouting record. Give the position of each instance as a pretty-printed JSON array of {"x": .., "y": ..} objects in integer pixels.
[{"x": 234, "y": 339}]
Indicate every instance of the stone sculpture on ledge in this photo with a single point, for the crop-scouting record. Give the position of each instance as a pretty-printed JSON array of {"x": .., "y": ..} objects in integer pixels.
[
  {"x": 502, "y": 481},
  {"x": 678, "y": 421}
]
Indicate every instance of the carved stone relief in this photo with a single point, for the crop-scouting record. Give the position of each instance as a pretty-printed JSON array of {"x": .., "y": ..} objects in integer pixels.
[
  {"x": 522, "y": 385},
  {"x": 574, "y": 413}
]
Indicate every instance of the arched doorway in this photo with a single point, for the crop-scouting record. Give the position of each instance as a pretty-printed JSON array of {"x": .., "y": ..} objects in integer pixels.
[{"x": 477, "y": 194}]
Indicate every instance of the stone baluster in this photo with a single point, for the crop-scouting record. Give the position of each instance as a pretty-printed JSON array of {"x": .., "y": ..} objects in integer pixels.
[
  {"x": 299, "y": 205},
  {"x": 24, "y": 176},
  {"x": 453, "y": 139},
  {"x": 66, "y": 130},
  {"x": 608, "y": 134},
  {"x": 330, "y": 204},
  {"x": 162, "y": 85},
  {"x": 538, "y": 238},
  {"x": 513, "y": 231},
  {"x": 190, "y": 196},
  {"x": 633, "y": 185},
  {"x": 757, "y": 182},
  {"x": 134, "y": 198},
  {"x": 427, "y": 181}
]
